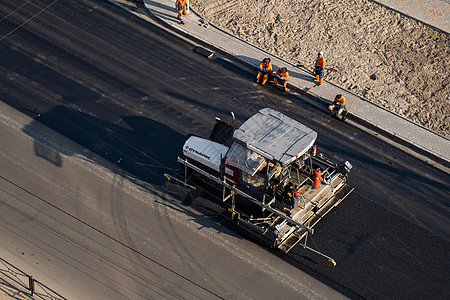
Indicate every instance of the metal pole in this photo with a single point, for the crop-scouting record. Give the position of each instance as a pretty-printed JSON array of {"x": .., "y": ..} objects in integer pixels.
[
  {"x": 344, "y": 117},
  {"x": 31, "y": 284},
  {"x": 264, "y": 203},
  {"x": 185, "y": 174},
  {"x": 180, "y": 181},
  {"x": 320, "y": 253},
  {"x": 233, "y": 118},
  {"x": 233, "y": 203}
]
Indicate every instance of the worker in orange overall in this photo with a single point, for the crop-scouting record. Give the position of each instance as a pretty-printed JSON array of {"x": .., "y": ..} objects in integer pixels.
[
  {"x": 338, "y": 105},
  {"x": 298, "y": 199},
  {"x": 182, "y": 7},
  {"x": 319, "y": 68},
  {"x": 282, "y": 76},
  {"x": 264, "y": 69}
]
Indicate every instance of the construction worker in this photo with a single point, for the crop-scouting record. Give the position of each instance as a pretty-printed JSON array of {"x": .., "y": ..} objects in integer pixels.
[
  {"x": 182, "y": 7},
  {"x": 288, "y": 196},
  {"x": 338, "y": 104},
  {"x": 265, "y": 69},
  {"x": 282, "y": 75},
  {"x": 319, "y": 67},
  {"x": 298, "y": 198}
]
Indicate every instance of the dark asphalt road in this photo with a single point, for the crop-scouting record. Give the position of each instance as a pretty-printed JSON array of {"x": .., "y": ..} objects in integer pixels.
[
  {"x": 132, "y": 92},
  {"x": 88, "y": 230}
]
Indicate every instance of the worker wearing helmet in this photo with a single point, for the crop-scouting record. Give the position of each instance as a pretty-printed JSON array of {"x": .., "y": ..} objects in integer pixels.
[
  {"x": 282, "y": 76},
  {"x": 298, "y": 199},
  {"x": 182, "y": 7},
  {"x": 264, "y": 69},
  {"x": 288, "y": 197},
  {"x": 338, "y": 104},
  {"x": 319, "y": 67}
]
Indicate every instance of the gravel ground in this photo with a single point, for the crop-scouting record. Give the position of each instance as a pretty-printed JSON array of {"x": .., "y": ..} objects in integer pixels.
[{"x": 390, "y": 59}]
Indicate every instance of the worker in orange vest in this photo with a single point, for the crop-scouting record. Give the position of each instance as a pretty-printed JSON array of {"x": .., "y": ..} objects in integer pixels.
[
  {"x": 338, "y": 104},
  {"x": 319, "y": 67},
  {"x": 264, "y": 69},
  {"x": 182, "y": 7},
  {"x": 298, "y": 198},
  {"x": 282, "y": 75}
]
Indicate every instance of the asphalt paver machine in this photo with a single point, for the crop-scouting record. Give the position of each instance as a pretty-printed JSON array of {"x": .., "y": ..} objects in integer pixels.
[{"x": 275, "y": 183}]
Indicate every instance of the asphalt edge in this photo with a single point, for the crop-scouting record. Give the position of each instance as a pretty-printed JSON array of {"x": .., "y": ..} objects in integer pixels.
[{"x": 398, "y": 139}]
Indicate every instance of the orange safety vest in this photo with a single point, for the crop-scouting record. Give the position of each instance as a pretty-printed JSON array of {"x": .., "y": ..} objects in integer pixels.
[
  {"x": 181, "y": 3},
  {"x": 320, "y": 62},
  {"x": 267, "y": 66},
  {"x": 340, "y": 100},
  {"x": 285, "y": 73},
  {"x": 297, "y": 193}
]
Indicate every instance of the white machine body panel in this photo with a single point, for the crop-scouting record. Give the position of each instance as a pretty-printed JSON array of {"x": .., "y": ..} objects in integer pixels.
[{"x": 204, "y": 151}]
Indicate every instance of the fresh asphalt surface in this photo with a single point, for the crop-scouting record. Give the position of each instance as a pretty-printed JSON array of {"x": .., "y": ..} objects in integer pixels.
[
  {"x": 132, "y": 93},
  {"x": 88, "y": 230}
]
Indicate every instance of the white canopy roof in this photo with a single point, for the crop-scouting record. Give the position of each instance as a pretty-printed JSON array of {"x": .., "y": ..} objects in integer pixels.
[{"x": 275, "y": 136}]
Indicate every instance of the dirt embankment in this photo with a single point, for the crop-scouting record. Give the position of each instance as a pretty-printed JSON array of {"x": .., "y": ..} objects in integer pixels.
[{"x": 390, "y": 59}]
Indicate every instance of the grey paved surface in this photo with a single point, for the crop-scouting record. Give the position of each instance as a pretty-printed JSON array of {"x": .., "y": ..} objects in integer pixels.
[
  {"x": 401, "y": 129},
  {"x": 431, "y": 12}
]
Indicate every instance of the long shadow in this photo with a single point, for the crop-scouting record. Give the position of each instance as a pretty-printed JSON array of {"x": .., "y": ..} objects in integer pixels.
[
  {"x": 144, "y": 148},
  {"x": 171, "y": 12},
  {"x": 141, "y": 146}
]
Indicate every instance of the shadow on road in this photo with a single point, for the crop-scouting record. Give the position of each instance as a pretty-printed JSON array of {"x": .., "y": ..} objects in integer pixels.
[
  {"x": 141, "y": 146},
  {"x": 137, "y": 148}
]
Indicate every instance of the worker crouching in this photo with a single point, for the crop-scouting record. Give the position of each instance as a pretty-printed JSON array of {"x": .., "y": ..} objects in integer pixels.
[
  {"x": 338, "y": 106},
  {"x": 319, "y": 68},
  {"x": 264, "y": 70},
  {"x": 281, "y": 77}
]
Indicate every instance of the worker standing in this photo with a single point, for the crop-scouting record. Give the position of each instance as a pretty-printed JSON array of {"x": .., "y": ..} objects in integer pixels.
[
  {"x": 319, "y": 68},
  {"x": 282, "y": 76},
  {"x": 338, "y": 104},
  {"x": 182, "y": 7},
  {"x": 298, "y": 199},
  {"x": 264, "y": 69}
]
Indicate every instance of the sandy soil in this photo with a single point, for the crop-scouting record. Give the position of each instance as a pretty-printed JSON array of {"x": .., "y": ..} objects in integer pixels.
[{"x": 381, "y": 55}]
